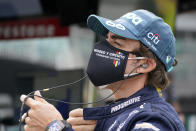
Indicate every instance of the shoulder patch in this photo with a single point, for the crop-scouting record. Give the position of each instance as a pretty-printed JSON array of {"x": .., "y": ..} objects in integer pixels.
[{"x": 145, "y": 125}]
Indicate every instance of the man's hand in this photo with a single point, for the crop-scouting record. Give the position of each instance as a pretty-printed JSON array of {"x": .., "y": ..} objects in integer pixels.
[
  {"x": 78, "y": 123},
  {"x": 41, "y": 113}
]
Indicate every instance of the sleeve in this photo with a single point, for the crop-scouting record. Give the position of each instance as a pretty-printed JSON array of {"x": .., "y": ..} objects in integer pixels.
[
  {"x": 152, "y": 122},
  {"x": 67, "y": 127}
]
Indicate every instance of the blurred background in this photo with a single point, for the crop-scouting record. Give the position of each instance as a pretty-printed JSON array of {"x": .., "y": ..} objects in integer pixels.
[{"x": 45, "y": 43}]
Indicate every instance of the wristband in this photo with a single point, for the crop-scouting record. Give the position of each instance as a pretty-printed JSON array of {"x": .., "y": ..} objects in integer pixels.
[{"x": 58, "y": 125}]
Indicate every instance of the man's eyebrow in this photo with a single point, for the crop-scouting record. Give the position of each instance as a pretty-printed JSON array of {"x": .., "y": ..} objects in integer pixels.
[{"x": 113, "y": 36}]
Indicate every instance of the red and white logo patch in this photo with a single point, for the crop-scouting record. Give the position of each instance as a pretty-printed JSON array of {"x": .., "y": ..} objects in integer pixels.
[{"x": 154, "y": 37}]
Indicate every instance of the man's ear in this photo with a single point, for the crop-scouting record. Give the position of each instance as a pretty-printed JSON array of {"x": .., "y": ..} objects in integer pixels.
[{"x": 147, "y": 66}]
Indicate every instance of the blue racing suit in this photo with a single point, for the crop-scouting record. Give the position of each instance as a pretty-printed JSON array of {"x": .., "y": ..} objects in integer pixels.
[{"x": 143, "y": 111}]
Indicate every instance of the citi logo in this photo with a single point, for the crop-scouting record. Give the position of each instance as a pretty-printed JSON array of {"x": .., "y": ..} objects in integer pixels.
[
  {"x": 154, "y": 37},
  {"x": 134, "y": 18}
]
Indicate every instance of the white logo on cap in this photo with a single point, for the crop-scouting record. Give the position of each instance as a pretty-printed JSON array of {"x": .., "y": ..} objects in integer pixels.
[
  {"x": 135, "y": 18},
  {"x": 154, "y": 37},
  {"x": 168, "y": 59},
  {"x": 112, "y": 24}
]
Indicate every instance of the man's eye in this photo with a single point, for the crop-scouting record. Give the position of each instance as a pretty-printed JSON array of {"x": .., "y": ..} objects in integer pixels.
[{"x": 117, "y": 43}]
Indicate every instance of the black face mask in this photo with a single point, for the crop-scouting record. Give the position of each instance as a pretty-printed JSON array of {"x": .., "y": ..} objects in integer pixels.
[{"x": 107, "y": 64}]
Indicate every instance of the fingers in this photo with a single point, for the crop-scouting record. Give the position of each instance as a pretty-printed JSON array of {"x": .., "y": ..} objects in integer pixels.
[
  {"x": 26, "y": 128},
  {"x": 84, "y": 127},
  {"x": 28, "y": 101},
  {"x": 36, "y": 97},
  {"x": 30, "y": 128},
  {"x": 27, "y": 120},
  {"x": 80, "y": 121},
  {"x": 31, "y": 102},
  {"x": 24, "y": 116},
  {"x": 29, "y": 123},
  {"x": 76, "y": 113}
]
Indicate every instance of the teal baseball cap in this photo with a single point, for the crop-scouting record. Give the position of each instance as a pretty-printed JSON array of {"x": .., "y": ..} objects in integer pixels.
[{"x": 144, "y": 26}]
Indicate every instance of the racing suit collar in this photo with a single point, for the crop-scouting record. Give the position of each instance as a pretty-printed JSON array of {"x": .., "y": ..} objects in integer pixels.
[{"x": 136, "y": 99}]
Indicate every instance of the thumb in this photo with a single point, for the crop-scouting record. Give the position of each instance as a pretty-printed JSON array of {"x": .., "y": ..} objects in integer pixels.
[{"x": 37, "y": 98}]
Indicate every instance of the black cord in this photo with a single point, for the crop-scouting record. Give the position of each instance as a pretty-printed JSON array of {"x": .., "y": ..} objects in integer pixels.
[
  {"x": 31, "y": 94},
  {"x": 21, "y": 110},
  {"x": 43, "y": 90}
]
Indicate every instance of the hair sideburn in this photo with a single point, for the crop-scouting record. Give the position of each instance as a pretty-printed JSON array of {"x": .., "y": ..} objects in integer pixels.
[{"x": 157, "y": 78}]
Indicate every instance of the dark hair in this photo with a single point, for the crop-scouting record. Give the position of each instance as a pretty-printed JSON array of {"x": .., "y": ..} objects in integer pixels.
[{"x": 158, "y": 77}]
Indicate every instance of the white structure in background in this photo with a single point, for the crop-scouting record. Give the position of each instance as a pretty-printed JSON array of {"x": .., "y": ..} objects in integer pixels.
[
  {"x": 6, "y": 103},
  {"x": 185, "y": 71},
  {"x": 60, "y": 53},
  {"x": 186, "y": 21}
]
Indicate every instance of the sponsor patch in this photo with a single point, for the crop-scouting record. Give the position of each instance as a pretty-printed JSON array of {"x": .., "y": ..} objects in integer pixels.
[
  {"x": 146, "y": 125},
  {"x": 135, "y": 19},
  {"x": 125, "y": 104}
]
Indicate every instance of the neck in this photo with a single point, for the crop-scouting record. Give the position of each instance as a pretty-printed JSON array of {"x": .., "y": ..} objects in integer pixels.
[{"x": 129, "y": 87}]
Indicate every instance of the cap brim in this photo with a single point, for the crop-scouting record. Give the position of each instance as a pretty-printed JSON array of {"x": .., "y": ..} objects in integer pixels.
[{"x": 100, "y": 26}]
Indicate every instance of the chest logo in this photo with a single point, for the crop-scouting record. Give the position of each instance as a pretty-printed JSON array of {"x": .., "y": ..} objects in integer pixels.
[{"x": 125, "y": 104}]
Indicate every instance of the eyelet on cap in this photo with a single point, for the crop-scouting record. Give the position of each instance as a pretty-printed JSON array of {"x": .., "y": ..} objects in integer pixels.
[{"x": 175, "y": 62}]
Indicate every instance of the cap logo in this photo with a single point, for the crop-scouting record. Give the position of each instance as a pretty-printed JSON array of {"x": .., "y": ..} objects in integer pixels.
[
  {"x": 135, "y": 18},
  {"x": 154, "y": 37},
  {"x": 112, "y": 24},
  {"x": 168, "y": 59}
]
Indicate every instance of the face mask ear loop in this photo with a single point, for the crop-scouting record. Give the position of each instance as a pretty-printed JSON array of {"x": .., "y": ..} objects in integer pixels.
[
  {"x": 130, "y": 75},
  {"x": 137, "y": 58}
]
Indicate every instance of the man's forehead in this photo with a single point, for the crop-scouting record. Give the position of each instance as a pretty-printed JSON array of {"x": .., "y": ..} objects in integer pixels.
[
  {"x": 131, "y": 45},
  {"x": 120, "y": 37}
]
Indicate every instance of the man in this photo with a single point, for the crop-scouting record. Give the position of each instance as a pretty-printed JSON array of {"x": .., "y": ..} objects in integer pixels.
[{"x": 132, "y": 62}]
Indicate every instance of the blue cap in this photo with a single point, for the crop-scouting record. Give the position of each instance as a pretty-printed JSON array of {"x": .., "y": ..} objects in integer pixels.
[{"x": 144, "y": 26}]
